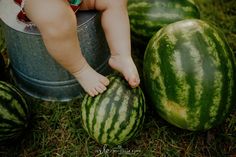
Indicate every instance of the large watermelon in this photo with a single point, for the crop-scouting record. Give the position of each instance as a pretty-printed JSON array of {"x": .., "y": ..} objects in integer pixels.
[
  {"x": 148, "y": 16},
  {"x": 116, "y": 115},
  {"x": 189, "y": 74},
  {"x": 14, "y": 113}
]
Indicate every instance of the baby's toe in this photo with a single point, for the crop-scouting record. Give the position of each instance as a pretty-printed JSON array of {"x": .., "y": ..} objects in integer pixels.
[
  {"x": 105, "y": 81},
  {"x": 95, "y": 92},
  {"x": 90, "y": 93},
  {"x": 101, "y": 88},
  {"x": 134, "y": 82}
]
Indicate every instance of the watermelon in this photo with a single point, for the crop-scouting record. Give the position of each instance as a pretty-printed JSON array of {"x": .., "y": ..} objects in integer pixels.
[
  {"x": 148, "y": 16},
  {"x": 190, "y": 74},
  {"x": 116, "y": 115},
  {"x": 14, "y": 113}
]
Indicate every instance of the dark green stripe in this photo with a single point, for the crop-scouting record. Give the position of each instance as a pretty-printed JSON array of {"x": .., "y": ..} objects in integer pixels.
[
  {"x": 155, "y": 85},
  {"x": 16, "y": 95},
  {"x": 208, "y": 78},
  {"x": 11, "y": 133},
  {"x": 106, "y": 116},
  {"x": 10, "y": 123},
  {"x": 165, "y": 52},
  {"x": 224, "y": 57},
  {"x": 143, "y": 108},
  {"x": 101, "y": 97},
  {"x": 8, "y": 106},
  {"x": 92, "y": 105},
  {"x": 188, "y": 65},
  {"x": 86, "y": 104},
  {"x": 114, "y": 120},
  {"x": 140, "y": 113},
  {"x": 5, "y": 91},
  {"x": 126, "y": 122}
]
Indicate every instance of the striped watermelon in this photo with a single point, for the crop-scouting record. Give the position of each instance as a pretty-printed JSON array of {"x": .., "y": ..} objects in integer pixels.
[
  {"x": 14, "y": 113},
  {"x": 148, "y": 16},
  {"x": 190, "y": 74},
  {"x": 116, "y": 115}
]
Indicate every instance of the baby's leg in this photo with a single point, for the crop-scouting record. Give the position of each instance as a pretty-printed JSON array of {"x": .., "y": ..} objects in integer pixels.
[
  {"x": 115, "y": 23},
  {"x": 57, "y": 24}
]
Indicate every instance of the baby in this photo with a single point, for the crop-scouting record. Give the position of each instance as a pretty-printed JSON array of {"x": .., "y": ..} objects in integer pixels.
[{"x": 56, "y": 22}]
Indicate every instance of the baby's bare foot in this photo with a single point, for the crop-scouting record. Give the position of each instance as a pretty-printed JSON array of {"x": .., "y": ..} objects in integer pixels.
[
  {"x": 126, "y": 66},
  {"x": 91, "y": 81}
]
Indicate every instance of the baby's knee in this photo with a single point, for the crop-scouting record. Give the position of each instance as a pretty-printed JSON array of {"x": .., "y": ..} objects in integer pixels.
[
  {"x": 117, "y": 3},
  {"x": 57, "y": 27},
  {"x": 57, "y": 24},
  {"x": 110, "y": 4}
]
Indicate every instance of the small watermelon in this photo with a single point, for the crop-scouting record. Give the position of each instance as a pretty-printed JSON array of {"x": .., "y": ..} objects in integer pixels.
[
  {"x": 190, "y": 74},
  {"x": 14, "y": 113},
  {"x": 116, "y": 115}
]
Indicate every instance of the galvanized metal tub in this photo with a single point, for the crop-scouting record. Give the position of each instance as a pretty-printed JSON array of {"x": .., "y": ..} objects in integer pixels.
[{"x": 36, "y": 72}]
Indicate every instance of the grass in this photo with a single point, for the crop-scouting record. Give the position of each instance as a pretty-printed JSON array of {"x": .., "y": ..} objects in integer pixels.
[{"x": 55, "y": 128}]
